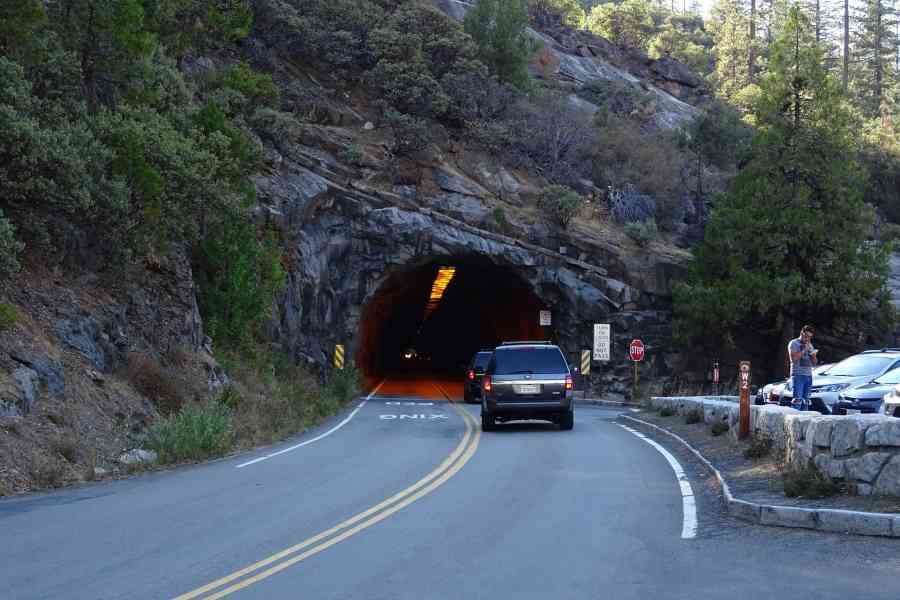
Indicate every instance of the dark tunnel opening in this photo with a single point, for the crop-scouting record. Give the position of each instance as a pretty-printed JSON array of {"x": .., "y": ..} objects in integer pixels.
[{"x": 483, "y": 305}]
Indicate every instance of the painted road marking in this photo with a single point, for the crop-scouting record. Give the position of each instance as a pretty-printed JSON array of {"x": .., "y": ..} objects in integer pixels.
[
  {"x": 431, "y": 417},
  {"x": 409, "y": 403},
  {"x": 288, "y": 557},
  {"x": 689, "y": 526},
  {"x": 317, "y": 438}
]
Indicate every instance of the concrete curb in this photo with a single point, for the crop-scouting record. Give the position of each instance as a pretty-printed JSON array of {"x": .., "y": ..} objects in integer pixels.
[
  {"x": 819, "y": 519},
  {"x": 595, "y": 402}
]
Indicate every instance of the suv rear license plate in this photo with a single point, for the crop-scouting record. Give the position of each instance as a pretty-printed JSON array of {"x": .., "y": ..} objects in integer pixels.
[
  {"x": 853, "y": 411},
  {"x": 527, "y": 388}
]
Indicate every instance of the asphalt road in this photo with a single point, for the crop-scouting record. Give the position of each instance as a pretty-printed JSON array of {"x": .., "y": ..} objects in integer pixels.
[{"x": 408, "y": 499}]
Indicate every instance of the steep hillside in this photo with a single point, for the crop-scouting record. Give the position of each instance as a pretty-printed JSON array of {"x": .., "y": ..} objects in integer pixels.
[{"x": 576, "y": 193}]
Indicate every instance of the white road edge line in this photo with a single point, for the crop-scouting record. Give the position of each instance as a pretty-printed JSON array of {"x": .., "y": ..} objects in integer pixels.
[
  {"x": 318, "y": 437},
  {"x": 689, "y": 526}
]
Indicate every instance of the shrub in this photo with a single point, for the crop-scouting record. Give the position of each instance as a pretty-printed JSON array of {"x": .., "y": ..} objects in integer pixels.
[
  {"x": 157, "y": 384},
  {"x": 759, "y": 447},
  {"x": 693, "y": 416},
  {"x": 10, "y": 248},
  {"x": 642, "y": 233},
  {"x": 9, "y": 315},
  {"x": 343, "y": 385},
  {"x": 257, "y": 88},
  {"x": 627, "y": 205},
  {"x": 666, "y": 412},
  {"x": 195, "y": 433},
  {"x": 46, "y": 471},
  {"x": 352, "y": 154},
  {"x": 718, "y": 428},
  {"x": 411, "y": 134},
  {"x": 889, "y": 232},
  {"x": 551, "y": 135},
  {"x": 807, "y": 482},
  {"x": 560, "y": 204},
  {"x": 67, "y": 447}
]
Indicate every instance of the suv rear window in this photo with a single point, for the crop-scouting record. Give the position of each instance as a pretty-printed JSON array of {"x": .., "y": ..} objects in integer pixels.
[
  {"x": 482, "y": 359},
  {"x": 508, "y": 361}
]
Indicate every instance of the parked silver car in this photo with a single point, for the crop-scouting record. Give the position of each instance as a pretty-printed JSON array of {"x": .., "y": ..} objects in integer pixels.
[{"x": 853, "y": 370}]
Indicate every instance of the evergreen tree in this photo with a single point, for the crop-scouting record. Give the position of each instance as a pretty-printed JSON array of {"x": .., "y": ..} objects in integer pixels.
[
  {"x": 875, "y": 49},
  {"x": 499, "y": 30},
  {"x": 629, "y": 24},
  {"x": 789, "y": 239},
  {"x": 729, "y": 29}
]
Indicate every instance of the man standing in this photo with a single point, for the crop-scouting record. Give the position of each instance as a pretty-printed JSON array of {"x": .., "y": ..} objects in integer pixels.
[{"x": 803, "y": 357}]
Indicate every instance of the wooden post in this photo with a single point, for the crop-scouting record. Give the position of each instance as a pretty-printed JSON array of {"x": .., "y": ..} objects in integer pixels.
[{"x": 744, "y": 371}]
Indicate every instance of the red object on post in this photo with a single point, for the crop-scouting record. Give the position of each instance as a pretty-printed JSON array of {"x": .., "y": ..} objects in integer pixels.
[{"x": 636, "y": 350}]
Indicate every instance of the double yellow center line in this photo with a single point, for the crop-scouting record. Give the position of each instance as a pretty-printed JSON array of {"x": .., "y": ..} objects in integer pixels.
[{"x": 280, "y": 561}]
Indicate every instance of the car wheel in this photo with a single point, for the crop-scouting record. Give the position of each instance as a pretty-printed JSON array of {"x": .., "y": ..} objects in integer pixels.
[
  {"x": 567, "y": 421},
  {"x": 488, "y": 423}
]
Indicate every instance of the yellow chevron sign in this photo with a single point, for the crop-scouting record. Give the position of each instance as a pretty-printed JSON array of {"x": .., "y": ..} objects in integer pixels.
[
  {"x": 585, "y": 362},
  {"x": 339, "y": 356}
]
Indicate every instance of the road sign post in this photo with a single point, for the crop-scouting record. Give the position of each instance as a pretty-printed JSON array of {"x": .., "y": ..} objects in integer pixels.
[
  {"x": 636, "y": 354},
  {"x": 744, "y": 379},
  {"x": 716, "y": 377},
  {"x": 601, "y": 341}
]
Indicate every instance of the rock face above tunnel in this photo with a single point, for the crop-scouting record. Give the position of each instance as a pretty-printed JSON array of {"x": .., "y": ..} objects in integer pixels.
[{"x": 346, "y": 242}]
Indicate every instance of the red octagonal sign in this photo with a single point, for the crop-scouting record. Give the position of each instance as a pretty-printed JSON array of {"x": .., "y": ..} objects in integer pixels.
[{"x": 636, "y": 350}]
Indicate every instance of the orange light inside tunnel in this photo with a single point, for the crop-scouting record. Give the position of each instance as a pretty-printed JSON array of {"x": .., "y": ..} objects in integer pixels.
[{"x": 441, "y": 281}]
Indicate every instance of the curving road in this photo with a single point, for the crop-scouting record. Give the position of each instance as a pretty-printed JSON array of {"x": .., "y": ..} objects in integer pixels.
[{"x": 408, "y": 499}]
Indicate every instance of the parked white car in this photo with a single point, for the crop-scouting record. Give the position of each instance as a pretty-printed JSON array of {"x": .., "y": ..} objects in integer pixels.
[{"x": 779, "y": 392}]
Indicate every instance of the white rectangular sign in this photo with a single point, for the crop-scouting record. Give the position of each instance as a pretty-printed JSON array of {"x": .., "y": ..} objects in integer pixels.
[
  {"x": 545, "y": 318},
  {"x": 601, "y": 341}
]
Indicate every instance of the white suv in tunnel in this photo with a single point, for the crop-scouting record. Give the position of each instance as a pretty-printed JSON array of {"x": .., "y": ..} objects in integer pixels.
[{"x": 527, "y": 380}]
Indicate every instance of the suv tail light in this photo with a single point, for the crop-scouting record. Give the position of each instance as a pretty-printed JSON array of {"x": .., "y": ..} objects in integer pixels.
[
  {"x": 569, "y": 384},
  {"x": 471, "y": 375},
  {"x": 486, "y": 383}
]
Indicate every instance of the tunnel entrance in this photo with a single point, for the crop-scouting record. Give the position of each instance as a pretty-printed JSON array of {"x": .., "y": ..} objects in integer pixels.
[{"x": 483, "y": 304}]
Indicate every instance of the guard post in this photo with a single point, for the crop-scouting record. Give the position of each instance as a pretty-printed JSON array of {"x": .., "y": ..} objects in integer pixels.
[
  {"x": 338, "y": 356},
  {"x": 744, "y": 371}
]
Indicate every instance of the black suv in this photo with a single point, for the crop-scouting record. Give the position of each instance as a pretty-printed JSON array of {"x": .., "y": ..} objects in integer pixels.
[
  {"x": 527, "y": 380},
  {"x": 474, "y": 372}
]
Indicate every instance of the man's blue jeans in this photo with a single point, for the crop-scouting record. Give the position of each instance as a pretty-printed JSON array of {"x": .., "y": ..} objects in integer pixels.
[{"x": 802, "y": 384}]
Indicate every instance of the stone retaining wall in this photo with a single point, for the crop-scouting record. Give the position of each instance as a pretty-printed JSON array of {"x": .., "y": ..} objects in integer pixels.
[{"x": 862, "y": 450}]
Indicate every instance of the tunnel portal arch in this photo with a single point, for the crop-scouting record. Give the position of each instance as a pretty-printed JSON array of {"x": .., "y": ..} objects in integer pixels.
[{"x": 484, "y": 304}]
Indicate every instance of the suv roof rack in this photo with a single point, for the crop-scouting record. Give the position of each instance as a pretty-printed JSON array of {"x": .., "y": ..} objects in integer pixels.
[{"x": 528, "y": 343}]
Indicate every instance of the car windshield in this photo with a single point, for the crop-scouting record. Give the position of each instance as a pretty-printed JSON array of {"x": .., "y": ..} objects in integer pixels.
[
  {"x": 860, "y": 366},
  {"x": 481, "y": 360},
  {"x": 890, "y": 378},
  {"x": 508, "y": 361}
]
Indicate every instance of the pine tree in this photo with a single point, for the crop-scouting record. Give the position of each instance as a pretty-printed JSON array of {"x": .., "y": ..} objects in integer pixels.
[
  {"x": 729, "y": 28},
  {"x": 875, "y": 48},
  {"x": 789, "y": 238},
  {"x": 499, "y": 29}
]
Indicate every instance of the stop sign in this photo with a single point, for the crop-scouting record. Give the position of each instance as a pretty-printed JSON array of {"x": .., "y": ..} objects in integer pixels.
[{"x": 636, "y": 350}]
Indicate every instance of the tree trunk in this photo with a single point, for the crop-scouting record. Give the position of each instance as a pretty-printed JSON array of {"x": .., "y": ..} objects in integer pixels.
[
  {"x": 783, "y": 361},
  {"x": 879, "y": 45},
  {"x": 751, "y": 45},
  {"x": 845, "y": 75}
]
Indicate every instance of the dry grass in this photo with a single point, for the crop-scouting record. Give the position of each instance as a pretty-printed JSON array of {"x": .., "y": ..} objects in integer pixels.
[
  {"x": 760, "y": 447},
  {"x": 67, "y": 447},
  {"x": 160, "y": 385},
  {"x": 46, "y": 471},
  {"x": 694, "y": 416},
  {"x": 718, "y": 428}
]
